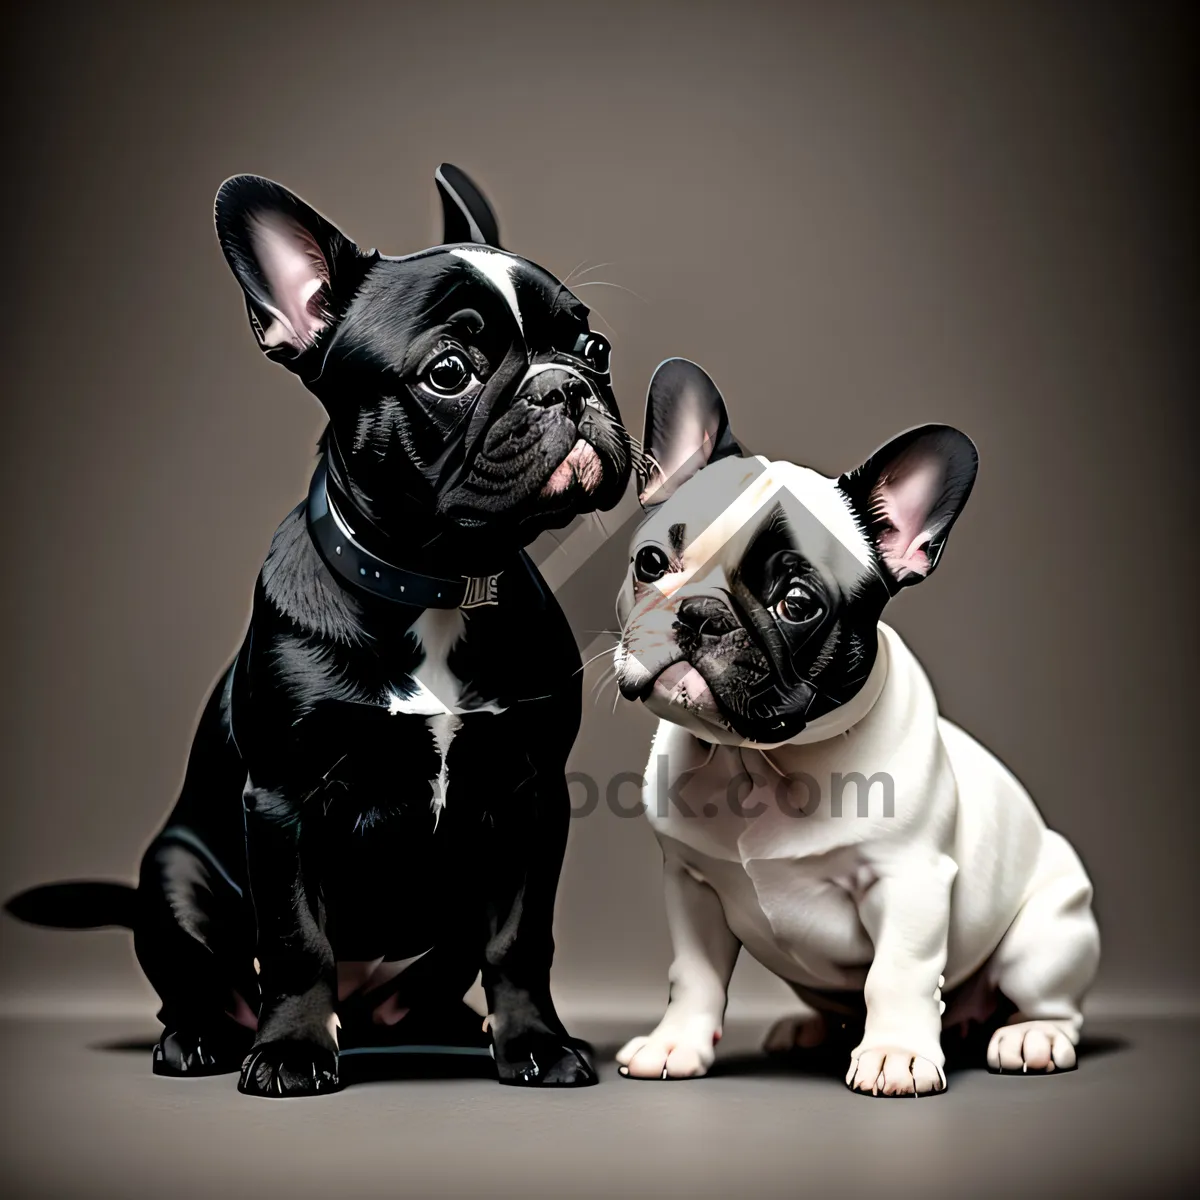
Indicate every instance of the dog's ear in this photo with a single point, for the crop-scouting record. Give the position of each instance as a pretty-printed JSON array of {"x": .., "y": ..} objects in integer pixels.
[
  {"x": 687, "y": 428},
  {"x": 467, "y": 216},
  {"x": 298, "y": 271},
  {"x": 908, "y": 495}
]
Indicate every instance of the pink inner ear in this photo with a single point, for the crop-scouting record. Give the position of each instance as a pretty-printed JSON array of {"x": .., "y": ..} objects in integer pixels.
[
  {"x": 294, "y": 270},
  {"x": 905, "y": 498}
]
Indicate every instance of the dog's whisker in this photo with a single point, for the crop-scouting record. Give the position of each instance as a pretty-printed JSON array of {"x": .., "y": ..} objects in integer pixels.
[
  {"x": 607, "y": 677},
  {"x": 594, "y": 310},
  {"x": 597, "y": 267},
  {"x": 609, "y": 283},
  {"x": 591, "y": 660},
  {"x": 571, "y": 273}
]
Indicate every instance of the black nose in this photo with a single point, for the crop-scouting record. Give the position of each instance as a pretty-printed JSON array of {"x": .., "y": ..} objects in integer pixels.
[
  {"x": 550, "y": 388},
  {"x": 706, "y": 616}
]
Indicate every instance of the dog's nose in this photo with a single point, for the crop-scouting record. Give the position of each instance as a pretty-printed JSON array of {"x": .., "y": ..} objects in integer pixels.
[
  {"x": 706, "y": 616},
  {"x": 551, "y": 388}
]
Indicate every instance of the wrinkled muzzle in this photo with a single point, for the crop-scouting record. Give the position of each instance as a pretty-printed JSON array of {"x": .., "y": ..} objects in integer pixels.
[{"x": 557, "y": 450}]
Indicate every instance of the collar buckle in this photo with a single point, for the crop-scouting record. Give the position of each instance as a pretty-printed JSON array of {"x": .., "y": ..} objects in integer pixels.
[{"x": 481, "y": 590}]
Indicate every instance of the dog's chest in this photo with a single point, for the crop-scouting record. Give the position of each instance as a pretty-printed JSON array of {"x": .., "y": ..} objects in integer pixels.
[
  {"x": 432, "y": 689},
  {"x": 435, "y": 692}
]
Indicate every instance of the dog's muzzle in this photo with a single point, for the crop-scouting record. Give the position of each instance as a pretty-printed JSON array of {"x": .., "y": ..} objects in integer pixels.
[
  {"x": 594, "y": 458},
  {"x": 560, "y": 387},
  {"x": 551, "y": 384}
]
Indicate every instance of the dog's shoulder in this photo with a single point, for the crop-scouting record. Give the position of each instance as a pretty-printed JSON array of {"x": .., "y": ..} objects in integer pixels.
[{"x": 298, "y": 585}]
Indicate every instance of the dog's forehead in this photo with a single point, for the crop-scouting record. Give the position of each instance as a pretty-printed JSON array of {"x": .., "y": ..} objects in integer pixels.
[
  {"x": 711, "y": 501},
  {"x": 405, "y": 295},
  {"x": 718, "y": 513},
  {"x": 534, "y": 297}
]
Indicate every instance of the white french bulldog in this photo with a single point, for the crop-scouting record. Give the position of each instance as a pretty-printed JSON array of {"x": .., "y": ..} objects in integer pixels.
[{"x": 810, "y": 802}]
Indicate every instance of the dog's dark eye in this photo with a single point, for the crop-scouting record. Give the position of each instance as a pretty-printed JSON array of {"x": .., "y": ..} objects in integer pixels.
[
  {"x": 449, "y": 374},
  {"x": 594, "y": 351},
  {"x": 799, "y": 607},
  {"x": 650, "y": 563}
]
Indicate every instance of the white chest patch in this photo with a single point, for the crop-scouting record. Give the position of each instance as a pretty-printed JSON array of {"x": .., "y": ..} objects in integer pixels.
[{"x": 439, "y": 692}]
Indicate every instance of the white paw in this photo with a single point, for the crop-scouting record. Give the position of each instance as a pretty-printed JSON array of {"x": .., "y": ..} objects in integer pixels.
[
  {"x": 892, "y": 1071},
  {"x": 669, "y": 1054},
  {"x": 803, "y": 1031},
  {"x": 1030, "y": 1046}
]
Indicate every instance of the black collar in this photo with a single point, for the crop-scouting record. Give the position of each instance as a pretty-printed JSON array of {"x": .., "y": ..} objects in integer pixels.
[{"x": 359, "y": 569}]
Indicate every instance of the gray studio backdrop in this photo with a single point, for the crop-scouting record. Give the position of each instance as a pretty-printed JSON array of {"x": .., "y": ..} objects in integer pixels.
[{"x": 857, "y": 217}]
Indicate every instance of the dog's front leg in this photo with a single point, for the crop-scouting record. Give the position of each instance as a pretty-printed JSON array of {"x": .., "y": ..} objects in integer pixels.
[
  {"x": 295, "y": 1052},
  {"x": 683, "y": 1044},
  {"x": 906, "y": 912},
  {"x": 530, "y": 1044}
]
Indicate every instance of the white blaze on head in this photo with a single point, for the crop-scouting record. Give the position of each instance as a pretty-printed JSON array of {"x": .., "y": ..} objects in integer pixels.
[{"x": 498, "y": 268}]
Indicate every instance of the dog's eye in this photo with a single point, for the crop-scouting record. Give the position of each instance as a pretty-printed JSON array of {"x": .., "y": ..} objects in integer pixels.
[
  {"x": 448, "y": 375},
  {"x": 650, "y": 563},
  {"x": 594, "y": 351},
  {"x": 799, "y": 607}
]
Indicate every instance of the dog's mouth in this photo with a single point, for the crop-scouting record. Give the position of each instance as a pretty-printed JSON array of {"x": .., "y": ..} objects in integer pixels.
[
  {"x": 539, "y": 468},
  {"x": 581, "y": 468},
  {"x": 712, "y": 709},
  {"x": 593, "y": 472},
  {"x": 678, "y": 686},
  {"x": 682, "y": 684},
  {"x": 733, "y": 693}
]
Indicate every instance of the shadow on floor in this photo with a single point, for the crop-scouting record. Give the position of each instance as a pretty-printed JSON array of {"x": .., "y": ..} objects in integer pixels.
[
  {"x": 126, "y": 1046},
  {"x": 374, "y": 1064},
  {"x": 386, "y": 1064}
]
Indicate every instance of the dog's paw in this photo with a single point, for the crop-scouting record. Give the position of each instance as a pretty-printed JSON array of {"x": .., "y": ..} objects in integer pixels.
[
  {"x": 288, "y": 1069},
  {"x": 545, "y": 1061},
  {"x": 181, "y": 1053},
  {"x": 667, "y": 1054},
  {"x": 803, "y": 1031},
  {"x": 892, "y": 1071},
  {"x": 1030, "y": 1048}
]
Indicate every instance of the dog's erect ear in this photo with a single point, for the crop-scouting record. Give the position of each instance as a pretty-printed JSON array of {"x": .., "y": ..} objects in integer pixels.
[
  {"x": 466, "y": 214},
  {"x": 297, "y": 270},
  {"x": 687, "y": 428},
  {"x": 909, "y": 493}
]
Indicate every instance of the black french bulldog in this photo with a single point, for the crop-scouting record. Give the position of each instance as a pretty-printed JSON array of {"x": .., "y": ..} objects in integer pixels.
[{"x": 374, "y": 809}]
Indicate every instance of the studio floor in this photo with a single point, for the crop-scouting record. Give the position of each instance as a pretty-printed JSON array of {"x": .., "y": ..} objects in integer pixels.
[{"x": 84, "y": 1117}]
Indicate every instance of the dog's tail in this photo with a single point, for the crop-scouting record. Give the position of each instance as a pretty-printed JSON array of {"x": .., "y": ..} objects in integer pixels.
[{"x": 83, "y": 904}]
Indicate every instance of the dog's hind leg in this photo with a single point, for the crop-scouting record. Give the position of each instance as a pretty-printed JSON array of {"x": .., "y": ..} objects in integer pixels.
[
  {"x": 194, "y": 931},
  {"x": 1044, "y": 964},
  {"x": 195, "y": 942},
  {"x": 831, "y": 1027}
]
